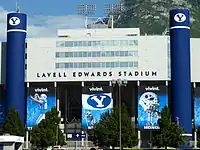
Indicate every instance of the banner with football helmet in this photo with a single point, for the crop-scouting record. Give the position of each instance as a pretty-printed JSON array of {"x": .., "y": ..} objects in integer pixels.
[
  {"x": 151, "y": 101},
  {"x": 39, "y": 101},
  {"x": 95, "y": 102},
  {"x": 197, "y": 107}
]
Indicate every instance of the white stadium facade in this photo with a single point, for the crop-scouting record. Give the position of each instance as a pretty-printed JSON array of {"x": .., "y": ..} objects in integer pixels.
[{"x": 96, "y": 58}]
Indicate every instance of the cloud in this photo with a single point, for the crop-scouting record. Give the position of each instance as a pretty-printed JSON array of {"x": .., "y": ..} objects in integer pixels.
[{"x": 43, "y": 26}]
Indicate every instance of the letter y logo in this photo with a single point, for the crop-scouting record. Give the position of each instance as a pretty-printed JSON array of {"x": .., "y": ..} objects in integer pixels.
[{"x": 14, "y": 21}]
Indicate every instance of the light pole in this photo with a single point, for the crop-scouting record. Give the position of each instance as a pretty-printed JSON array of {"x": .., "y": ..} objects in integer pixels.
[
  {"x": 86, "y": 9},
  {"x": 111, "y": 9},
  {"x": 120, "y": 83}
]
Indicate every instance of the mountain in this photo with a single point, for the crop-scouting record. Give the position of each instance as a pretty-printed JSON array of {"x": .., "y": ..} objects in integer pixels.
[{"x": 152, "y": 16}]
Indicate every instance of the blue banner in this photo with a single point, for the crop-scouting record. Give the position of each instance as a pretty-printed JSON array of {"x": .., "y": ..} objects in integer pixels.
[
  {"x": 39, "y": 101},
  {"x": 151, "y": 101},
  {"x": 95, "y": 102},
  {"x": 197, "y": 107}
]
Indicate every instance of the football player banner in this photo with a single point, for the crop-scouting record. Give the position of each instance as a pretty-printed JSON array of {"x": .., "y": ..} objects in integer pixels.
[
  {"x": 95, "y": 102},
  {"x": 151, "y": 100},
  {"x": 197, "y": 107},
  {"x": 39, "y": 101}
]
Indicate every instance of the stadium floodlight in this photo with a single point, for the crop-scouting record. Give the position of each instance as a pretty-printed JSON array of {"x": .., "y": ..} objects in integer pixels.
[
  {"x": 120, "y": 83},
  {"x": 86, "y": 9},
  {"x": 111, "y": 9}
]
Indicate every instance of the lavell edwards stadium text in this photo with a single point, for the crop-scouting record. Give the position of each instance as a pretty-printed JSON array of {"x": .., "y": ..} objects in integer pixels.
[{"x": 96, "y": 74}]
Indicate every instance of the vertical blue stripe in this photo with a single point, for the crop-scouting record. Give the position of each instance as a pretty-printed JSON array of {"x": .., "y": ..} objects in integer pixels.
[
  {"x": 180, "y": 68},
  {"x": 15, "y": 65}
]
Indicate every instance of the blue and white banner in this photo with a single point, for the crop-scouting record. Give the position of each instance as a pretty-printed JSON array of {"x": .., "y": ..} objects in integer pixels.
[
  {"x": 197, "y": 107},
  {"x": 40, "y": 100},
  {"x": 94, "y": 104},
  {"x": 151, "y": 101}
]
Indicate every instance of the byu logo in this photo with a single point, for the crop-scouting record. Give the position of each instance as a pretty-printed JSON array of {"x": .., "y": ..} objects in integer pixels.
[
  {"x": 180, "y": 17},
  {"x": 99, "y": 100},
  {"x": 14, "y": 21}
]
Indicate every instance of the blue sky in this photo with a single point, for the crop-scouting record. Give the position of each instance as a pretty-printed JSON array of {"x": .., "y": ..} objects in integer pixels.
[
  {"x": 54, "y": 7},
  {"x": 46, "y": 16}
]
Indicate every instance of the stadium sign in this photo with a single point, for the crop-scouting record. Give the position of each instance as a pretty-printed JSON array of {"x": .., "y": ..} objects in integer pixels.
[{"x": 85, "y": 74}]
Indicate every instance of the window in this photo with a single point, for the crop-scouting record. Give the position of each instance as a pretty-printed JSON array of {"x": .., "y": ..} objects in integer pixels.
[
  {"x": 97, "y": 43},
  {"x": 98, "y": 54},
  {"x": 97, "y": 65}
]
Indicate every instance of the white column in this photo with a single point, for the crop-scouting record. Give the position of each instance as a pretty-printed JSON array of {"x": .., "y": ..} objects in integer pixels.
[
  {"x": 139, "y": 138},
  {"x": 195, "y": 131},
  {"x": 27, "y": 145},
  {"x": 27, "y": 140}
]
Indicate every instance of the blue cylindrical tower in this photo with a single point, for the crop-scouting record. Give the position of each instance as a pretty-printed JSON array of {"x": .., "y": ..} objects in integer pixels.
[
  {"x": 16, "y": 35},
  {"x": 180, "y": 68}
]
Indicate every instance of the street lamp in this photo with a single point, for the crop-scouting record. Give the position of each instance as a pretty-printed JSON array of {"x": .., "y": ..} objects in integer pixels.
[
  {"x": 111, "y": 9},
  {"x": 120, "y": 83},
  {"x": 86, "y": 9}
]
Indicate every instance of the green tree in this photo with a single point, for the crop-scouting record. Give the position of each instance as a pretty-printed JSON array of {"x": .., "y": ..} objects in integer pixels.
[
  {"x": 152, "y": 17},
  {"x": 170, "y": 133},
  {"x": 13, "y": 124},
  {"x": 47, "y": 132},
  {"x": 106, "y": 132}
]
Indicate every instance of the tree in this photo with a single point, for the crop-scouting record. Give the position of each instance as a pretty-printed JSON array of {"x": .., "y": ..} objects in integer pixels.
[
  {"x": 106, "y": 132},
  {"x": 47, "y": 132},
  {"x": 170, "y": 133},
  {"x": 13, "y": 124},
  {"x": 152, "y": 17}
]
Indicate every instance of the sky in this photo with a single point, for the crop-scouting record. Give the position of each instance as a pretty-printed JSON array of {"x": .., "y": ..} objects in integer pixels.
[{"x": 46, "y": 16}]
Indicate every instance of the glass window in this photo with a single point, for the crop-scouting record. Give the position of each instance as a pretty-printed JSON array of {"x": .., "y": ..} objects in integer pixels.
[
  {"x": 89, "y": 54},
  {"x": 108, "y": 64},
  {"x": 112, "y": 53},
  {"x": 117, "y": 53},
  {"x": 89, "y": 43},
  {"x": 98, "y": 43},
  {"x": 130, "y": 53},
  {"x": 61, "y": 65},
  {"x": 116, "y": 64},
  {"x": 131, "y": 43},
  {"x": 84, "y": 54},
  {"x": 103, "y": 64},
  {"x": 125, "y": 53},
  {"x": 112, "y": 65},
  {"x": 80, "y": 65},
  {"x": 116, "y": 43},
  {"x": 85, "y": 43},
  {"x": 75, "y": 44},
  {"x": 108, "y": 53},
  {"x": 94, "y": 54},
  {"x": 85, "y": 65},
  {"x": 123, "y": 64},
  {"x": 60, "y": 44},
  {"x": 136, "y": 42},
  {"x": 93, "y": 43},
  {"x": 135, "y": 64},
  {"x": 61, "y": 54},
  {"x": 69, "y": 43},
  {"x": 75, "y": 54},
  {"x": 57, "y": 65},
  {"x": 80, "y": 43},
  {"x": 75, "y": 65},
  {"x": 98, "y": 54},
  {"x": 130, "y": 64},
  {"x": 122, "y": 53},
  {"x": 89, "y": 65},
  {"x": 80, "y": 54},
  {"x": 103, "y": 54}
]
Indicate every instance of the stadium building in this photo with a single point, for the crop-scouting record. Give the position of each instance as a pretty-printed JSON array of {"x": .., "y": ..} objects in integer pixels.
[{"x": 100, "y": 67}]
